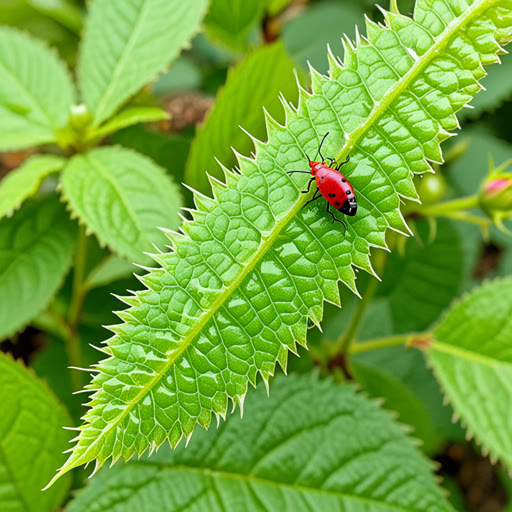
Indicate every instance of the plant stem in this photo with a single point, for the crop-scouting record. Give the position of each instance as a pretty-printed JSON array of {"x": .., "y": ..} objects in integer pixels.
[
  {"x": 342, "y": 345},
  {"x": 390, "y": 341},
  {"x": 441, "y": 209},
  {"x": 73, "y": 342}
]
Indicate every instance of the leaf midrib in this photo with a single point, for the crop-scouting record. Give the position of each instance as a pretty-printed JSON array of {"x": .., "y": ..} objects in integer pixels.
[
  {"x": 32, "y": 100},
  {"x": 121, "y": 62},
  {"x": 469, "y": 355},
  {"x": 96, "y": 164},
  {"x": 249, "y": 479},
  {"x": 267, "y": 242},
  {"x": 406, "y": 80}
]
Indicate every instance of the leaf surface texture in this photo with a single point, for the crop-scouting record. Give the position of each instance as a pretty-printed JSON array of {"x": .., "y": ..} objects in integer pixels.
[
  {"x": 250, "y": 271},
  {"x": 312, "y": 447}
]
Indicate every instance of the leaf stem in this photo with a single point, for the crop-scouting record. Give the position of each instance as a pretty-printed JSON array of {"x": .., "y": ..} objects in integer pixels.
[
  {"x": 391, "y": 341},
  {"x": 447, "y": 207},
  {"x": 73, "y": 341},
  {"x": 342, "y": 344}
]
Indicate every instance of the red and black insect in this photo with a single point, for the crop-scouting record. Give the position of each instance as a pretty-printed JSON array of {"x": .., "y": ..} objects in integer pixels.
[{"x": 332, "y": 185}]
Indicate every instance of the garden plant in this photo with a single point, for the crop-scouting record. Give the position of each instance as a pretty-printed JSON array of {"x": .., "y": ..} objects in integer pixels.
[{"x": 255, "y": 255}]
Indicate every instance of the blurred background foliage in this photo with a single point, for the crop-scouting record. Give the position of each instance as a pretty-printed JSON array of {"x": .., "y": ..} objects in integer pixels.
[{"x": 249, "y": 52}]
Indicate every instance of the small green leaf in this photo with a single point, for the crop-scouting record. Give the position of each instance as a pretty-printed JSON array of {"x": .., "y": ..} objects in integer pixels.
[
  {"x": 127, "y": 117},
  {"x": 127, "y": 43},
  {"x": 313, "y": 446},
  {"x": 31, "y": 441},
  {"x": 421, "y": 283},
  {"x": 229, "y": 22},
  {"x": 123, "y": 198},
  {"x": 239, "y": 103},
  {"x": 36, "y": 92},
  {"x": 472, "y": 357},
  {"x": 36, "y": 246},
  {"x": 397, "y": 397},
  {"x": 24, "y": 182}
]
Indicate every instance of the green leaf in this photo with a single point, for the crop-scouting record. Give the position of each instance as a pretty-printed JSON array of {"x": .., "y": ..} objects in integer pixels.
[
  {"x": 127, "y": 43},
  {"x": 36, "y": 246},
  {"x": 229, "y": 22},
  {"x": 24, "y": 182},
  {"x": 31, "y": 441},
  {"x": 410, "y": 368},
  {"x": 472, "y": 358},
  {"x": 239, "y": 103},
  {"x": 307, "y": 36},
  {"x": 36, "y": 92},
  {"x": 127, "y": 117},
  {"x": 421, "y": 283},
  {"x": 313, "y": 446},
  {"x": 123, "y": 198},
  {"x": 253, "y": 268},
  {"x": 397, "y": 397}
]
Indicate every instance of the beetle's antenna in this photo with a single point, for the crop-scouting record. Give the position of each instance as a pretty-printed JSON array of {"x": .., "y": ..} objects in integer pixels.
[
  {"x": 309, "y": 159},
  {"x": 319, "y": 152}
]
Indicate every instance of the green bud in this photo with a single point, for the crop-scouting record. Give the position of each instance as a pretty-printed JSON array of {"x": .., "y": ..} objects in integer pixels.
[
  {"x": 431, "y": 188},
  {"x": 80, "y": 118}
]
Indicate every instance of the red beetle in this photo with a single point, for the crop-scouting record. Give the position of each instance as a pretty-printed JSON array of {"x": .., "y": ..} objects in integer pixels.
[{"x": 331, "y": 184}]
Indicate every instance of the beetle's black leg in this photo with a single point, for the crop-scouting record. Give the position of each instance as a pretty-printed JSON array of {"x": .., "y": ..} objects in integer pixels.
[
  {"x": 302, "y": 172},
  {"x": 334, "y": 219},
  {"x": 332, "y": 160},
  {"x": 315, "y": 196},
  {"x": 309, "y": 185},
  {"x": 343, "y": 163},
  {"x": 320, "y": 147}
]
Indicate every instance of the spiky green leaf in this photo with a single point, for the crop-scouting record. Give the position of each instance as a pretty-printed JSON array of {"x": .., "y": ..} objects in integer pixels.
[
  {"x": 254, "y": 266},
  {"x": 36, "y": 92},
  {"x": 314, "y": 446},
  {"x": 127, "y": 43},
  {"x": 239, "y": 105},
  {"x": 24, "y": 182},
  {"x": 123, "y": 198},
  {"x": 472, "y": 358},
  {"x": 31, "y": 441},
  {"x": 36, "y": 246}
]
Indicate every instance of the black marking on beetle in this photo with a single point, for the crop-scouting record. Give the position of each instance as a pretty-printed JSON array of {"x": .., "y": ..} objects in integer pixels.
[
  {"x": 343, "y": 180},
  {"x": 348, "y": 192},
  {"x": 332, "y": 195},
  {"x": 337, "y": 204}
]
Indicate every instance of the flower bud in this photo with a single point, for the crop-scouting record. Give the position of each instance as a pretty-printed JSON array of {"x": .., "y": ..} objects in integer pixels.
[{"x": 495, "y": 195}]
